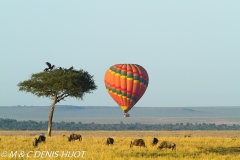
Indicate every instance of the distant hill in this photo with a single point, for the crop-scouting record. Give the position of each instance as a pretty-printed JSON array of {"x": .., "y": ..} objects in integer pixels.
[{"x": 113, "y": 114}]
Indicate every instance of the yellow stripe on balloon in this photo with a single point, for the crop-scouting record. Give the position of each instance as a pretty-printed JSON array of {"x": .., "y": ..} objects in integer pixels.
[
  {"x": 112, "y": 72},
  {"x": 129, "y": 99},
  {"x": 124, "y": 107}
]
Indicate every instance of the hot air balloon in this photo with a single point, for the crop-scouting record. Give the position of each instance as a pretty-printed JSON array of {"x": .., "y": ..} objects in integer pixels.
[{"x": 126, "y": 84}]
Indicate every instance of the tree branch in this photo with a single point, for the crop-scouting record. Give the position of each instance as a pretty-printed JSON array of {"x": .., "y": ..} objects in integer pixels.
[{"x": 61, "y": 97}]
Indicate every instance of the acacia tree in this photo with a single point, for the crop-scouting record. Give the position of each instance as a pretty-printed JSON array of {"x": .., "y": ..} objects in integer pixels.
[{"x": 58, "y": 84}]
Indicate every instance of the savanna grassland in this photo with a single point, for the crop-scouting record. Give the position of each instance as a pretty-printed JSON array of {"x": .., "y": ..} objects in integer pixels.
[{"x": 204, "y": 145}]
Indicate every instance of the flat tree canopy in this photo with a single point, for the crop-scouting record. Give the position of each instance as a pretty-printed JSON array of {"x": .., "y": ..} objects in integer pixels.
[{"x": 57, "y": 84}]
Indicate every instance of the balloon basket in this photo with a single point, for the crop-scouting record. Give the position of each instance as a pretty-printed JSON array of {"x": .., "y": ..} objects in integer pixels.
[{"x": 126, "y": 115}]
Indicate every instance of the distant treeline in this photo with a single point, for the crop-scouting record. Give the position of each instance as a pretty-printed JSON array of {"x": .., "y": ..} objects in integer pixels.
[{"x": 11, "y": 124}]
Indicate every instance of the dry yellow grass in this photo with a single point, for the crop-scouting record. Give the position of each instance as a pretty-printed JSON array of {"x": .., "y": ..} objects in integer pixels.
[{"x": 204, "y": 145}]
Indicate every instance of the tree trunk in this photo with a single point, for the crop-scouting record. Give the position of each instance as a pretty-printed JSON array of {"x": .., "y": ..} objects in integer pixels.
[{"x": 51, "y": 116}]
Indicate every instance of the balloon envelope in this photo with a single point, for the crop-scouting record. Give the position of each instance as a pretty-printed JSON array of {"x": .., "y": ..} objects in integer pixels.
[{"x": 126, "y": 84}]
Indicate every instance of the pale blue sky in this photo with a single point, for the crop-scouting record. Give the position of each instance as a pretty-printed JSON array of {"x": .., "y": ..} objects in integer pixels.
[{"x": 190, "y": 49}]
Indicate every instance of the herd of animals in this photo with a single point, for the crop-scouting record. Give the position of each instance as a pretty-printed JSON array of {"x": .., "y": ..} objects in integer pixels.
[{"x": 110, "y": 141}]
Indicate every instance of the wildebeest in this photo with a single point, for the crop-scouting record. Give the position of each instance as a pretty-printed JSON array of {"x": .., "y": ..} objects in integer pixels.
[
  {"x": 41, "y": 138},
  {"x": 75, "y": 137},
  {"x": 167, "y": 144},
  {"x": 187, "y": 135},
  {"x": 110, "y": 141},
  {"x": 155, "y": 141},
  {"x": 35, "y": 142},
  {"x": 137, "y": 142}
]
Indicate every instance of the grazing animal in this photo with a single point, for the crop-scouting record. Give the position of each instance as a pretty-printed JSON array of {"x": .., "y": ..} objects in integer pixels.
[
  {"x": 41, "y": 138},
  {"x": 71, "y": 68},
  {"x": 187, "y": 135},
  {"x": 155, "y": 141},
  {"x": 75, "y": 137},
  {"x": 167, "y": 145},
  {"x": 137, "y": 142},
  {"x": 110, "y": 141},
  {"x": 35, "y": 142},
  {"x": 50, "y": 67}
]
